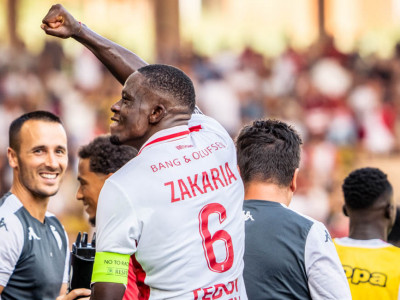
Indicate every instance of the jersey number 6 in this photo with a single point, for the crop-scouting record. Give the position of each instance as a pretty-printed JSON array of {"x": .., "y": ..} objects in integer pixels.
[{"x": 220, "y": 235}]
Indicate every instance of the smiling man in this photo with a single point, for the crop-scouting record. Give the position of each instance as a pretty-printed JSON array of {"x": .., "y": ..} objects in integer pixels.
[
  {"x": 191, "y": 248},
  {"x": 98, "y": 160},
  {"x": 33, "y": 258}
]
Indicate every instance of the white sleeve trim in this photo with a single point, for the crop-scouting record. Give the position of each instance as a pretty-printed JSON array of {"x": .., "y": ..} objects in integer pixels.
[
  {"x": 326, "y": 278},
  {"x": 66, "y": 267},
  {"x": 12, "y": 237}
]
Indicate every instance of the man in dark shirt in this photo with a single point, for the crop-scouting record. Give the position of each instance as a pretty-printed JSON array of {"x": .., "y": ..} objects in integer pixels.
[
  {"x": 287, "y": 255},
  {"x": 33, "y": 259}
]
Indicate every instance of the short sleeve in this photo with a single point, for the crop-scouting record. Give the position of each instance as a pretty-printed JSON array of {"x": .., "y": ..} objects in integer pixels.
[
  {"x": 12, "y": 232},
  {"x": 117, "y": 224},
  {"x": 326, "y": 278}
]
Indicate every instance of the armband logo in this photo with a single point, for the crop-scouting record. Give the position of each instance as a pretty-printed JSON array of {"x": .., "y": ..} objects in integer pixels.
[
  {"x": 110, "y": 267},
  {"x": 3, "y": 224}
]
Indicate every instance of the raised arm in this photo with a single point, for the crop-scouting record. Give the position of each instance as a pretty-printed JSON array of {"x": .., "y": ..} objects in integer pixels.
[{"x": 118, "y": 60}]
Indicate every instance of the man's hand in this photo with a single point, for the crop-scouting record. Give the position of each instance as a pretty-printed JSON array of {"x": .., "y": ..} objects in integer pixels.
[
  {"x": 72, "y": 295},
  {"x": 60, "y": 23}
]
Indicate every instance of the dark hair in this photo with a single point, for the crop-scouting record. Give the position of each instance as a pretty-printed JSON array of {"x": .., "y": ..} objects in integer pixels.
[
  {"x": 16, "y": 125},
  {"x": 363, "y": 187},
  {"x": 106, "y": 157},
  {"x": 268, "y": 150},
  {"x": 171, "y": 81}
]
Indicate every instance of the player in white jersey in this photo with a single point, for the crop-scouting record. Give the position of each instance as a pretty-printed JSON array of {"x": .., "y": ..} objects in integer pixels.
[{"x": 177, "y": 207}]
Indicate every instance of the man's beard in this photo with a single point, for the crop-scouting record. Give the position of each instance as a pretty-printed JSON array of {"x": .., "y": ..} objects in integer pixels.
[{"x": 115, "y": 140}]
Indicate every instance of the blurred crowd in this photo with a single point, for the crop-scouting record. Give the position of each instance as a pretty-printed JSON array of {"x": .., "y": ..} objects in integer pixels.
[{"x": 345, "y": 107}]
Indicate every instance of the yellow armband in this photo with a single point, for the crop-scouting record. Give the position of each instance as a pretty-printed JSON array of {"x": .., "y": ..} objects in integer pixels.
[{"x": 111, "y": 267}]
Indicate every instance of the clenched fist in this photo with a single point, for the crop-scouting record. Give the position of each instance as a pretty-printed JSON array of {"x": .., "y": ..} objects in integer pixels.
[{"x": 60, "y": 23}]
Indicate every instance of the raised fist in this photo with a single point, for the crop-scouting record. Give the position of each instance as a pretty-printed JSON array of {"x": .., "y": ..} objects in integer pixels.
[{"x": 60, "y": 23}]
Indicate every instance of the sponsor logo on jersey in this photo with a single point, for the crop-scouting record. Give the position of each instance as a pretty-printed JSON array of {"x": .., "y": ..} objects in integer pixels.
[
  {"x": 218, "y": 290},
  {"x": 181, "y": 147},
  {"x": 3, "y": 224},
  {"x": 32, "y": 235},
  {"x": 327, "y": 236},
  {"x": 247, "y": 216},
  {"x": 363, "y": 276}
]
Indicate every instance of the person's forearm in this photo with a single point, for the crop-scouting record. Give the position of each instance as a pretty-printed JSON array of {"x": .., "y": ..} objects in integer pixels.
[
  {"x": 107, "y": 291},
  {"x": 119, "y": 61}
]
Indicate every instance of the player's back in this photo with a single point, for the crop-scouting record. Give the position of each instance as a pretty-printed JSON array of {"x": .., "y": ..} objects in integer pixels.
[
  {"x": 371, "y": 267},
  {"x": 184, "y": 199}
]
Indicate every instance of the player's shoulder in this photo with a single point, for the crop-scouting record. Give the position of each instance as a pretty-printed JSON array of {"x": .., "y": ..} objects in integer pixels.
[
  {"x": 9, "y": 221},
  {"x": 9, "y": 204},
  {"x": 53, "y": 220},
  {"x": 366, "y": 244},
  {"x": 301, "y": 218},
  {"x": 10, "y": 226},
  {"x": 200, "y": 122},
  {"x": 317, "y": 230}
]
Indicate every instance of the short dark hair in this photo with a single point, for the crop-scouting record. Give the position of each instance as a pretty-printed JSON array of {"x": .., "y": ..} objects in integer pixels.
[
  {"x": 268, "y": 150},
  {"x": 105, "y": 157},
  {"x": 363, "y": 187},
  {"x": 16, "y": 125},
  {"x": 171, "y": 81}
]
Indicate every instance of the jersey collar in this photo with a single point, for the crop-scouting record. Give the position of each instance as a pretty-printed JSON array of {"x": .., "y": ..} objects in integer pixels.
[{"x": 166, "y": 135}]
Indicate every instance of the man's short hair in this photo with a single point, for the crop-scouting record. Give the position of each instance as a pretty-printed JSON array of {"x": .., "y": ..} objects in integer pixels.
[
  {"x": 16, "y": 125},
  {"x": 105, "y": 157},
  {"x": 168, "y": 80},
  {"x": 363, "y": 187},
  {"x": 268, "y": 151}
]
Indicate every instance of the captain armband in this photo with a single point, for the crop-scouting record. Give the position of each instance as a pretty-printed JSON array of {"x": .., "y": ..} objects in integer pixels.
[{"x": 111, "y": 267}]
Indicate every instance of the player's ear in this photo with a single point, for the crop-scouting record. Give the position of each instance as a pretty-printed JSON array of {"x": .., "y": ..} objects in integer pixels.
[
  {"x": 157, "y": 114},
  {"x": 344, "y": 209},
  {"x": 293, "y": 183},
  {"x": 12, "y": 158},
  {"x": 390, "y": 212}
]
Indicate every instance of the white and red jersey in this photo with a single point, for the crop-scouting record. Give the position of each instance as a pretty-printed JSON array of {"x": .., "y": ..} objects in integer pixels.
[{"x": 177, "y": 207}]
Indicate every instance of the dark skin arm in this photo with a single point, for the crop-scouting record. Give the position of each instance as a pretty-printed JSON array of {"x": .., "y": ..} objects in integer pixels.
[
  {"x": 107, "y": 291},
  {"x": 119, "y": 61}
]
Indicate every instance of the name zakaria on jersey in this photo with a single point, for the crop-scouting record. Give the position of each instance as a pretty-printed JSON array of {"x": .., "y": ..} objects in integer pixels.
[{"x": 175, "y": 211}]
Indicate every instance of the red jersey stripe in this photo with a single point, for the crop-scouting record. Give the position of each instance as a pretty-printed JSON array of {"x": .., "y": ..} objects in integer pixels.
[
  {"x": 195, "y": 128},
  {"x": 165, "y": 138},
  {"x": 144, "y": 289},
  {"x": 131, "y": 292}
]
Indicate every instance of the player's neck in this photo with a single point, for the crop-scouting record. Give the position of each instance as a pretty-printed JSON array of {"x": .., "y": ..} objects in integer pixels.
[
  {"x": 36, "y": 206},
  {"x": 267, "y": 192},
  {"x": 365, "y": 231}
]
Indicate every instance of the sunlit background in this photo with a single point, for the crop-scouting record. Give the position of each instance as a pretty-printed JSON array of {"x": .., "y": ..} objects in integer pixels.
[{"x": 328, "y": 67}]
